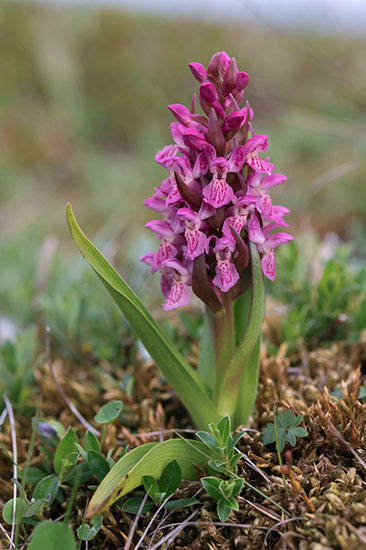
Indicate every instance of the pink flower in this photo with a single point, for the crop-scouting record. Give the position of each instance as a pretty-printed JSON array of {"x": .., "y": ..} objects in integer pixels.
[
  {"x": 218, "y": 193},
  {"x": 226, "y": 275},
  {"x": 266, "y": 243},
  {"x": 174, "y": 285}
]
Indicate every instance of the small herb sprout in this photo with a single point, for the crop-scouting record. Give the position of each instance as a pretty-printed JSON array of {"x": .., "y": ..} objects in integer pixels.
[
  {"x": 224, "y": 491},
  {"x": 288, "y": 429}
]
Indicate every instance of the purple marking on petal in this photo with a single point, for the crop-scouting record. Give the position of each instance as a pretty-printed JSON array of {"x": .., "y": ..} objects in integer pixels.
[
  {"x": 179, "y": 296},
  {"x": 166, "y": 252},
  {"x": 189, "y": 214},
  {"x": 196, "y": 243},
  {"x": 237, "y": 222},
  {"x": 260, "y": 165},
  {"x": 237, "y": 159},
  {"x": 210, "y": 152},
  {"x": 226, "y": 275},
  {"x": 268, "y": 264},
  {"x": 254, "y": 230},
  {"x": 264, "y": 205},
  {"x": 218, "y": 193},
  {"x": 164, "y": 156},
  {"x": 258, "y": 143},
  {"x": 201, "y": 165},
  {"x": 174, "y": 196}
]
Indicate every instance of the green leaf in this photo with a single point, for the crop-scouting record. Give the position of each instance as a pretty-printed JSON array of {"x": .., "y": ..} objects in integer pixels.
[
  {"x": 82, "y": 452},
  {"x": 34, "y": 508},
  {"x": 237, "y": 369},
  {"x": 53, "y": 536},
  {"x": 47, "y": 489},
  {"x": 237, "y": 487},
  {"x": 151, "y": 485},
  {"x": 233, "y": 441},
  {"x": 223, "y": 510},
  {"x": 109, "y": 412},
  {"x": 211, "y": 485},
  {"x": 268, "y": 434},
  {"x": 66, "y": 446},
  {"x": 181, "y": 376},
  {"x": 21, "y": 506},
  {"x": 285, "y": 418},
  {"x": 132, "y": 505},
  {"x": 282, "y": 438},
  {"x": 181, "y": 503},
  {"x": 170, "y": 478},
  {"x": 291, "y": 438},
  {"x": 91, "y": 443},
  {"x": 148, "y": 459},
  {"x": 34, "y": 475},
  {"x": 224, "y": 427},
  {"x": 208, "y": 439},
  {"x": 98, "y": 464},
  {"x": 299, "y": 432},
  {"x": 88, "y": 532}
]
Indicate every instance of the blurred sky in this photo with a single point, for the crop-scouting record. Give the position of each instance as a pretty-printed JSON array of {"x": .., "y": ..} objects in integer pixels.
[{"x": 340, "y": 16}]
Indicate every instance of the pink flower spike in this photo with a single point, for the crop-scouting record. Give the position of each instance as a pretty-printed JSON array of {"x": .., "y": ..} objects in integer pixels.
[
  {"x": 198, "y": 71},
  {"x": 181, "y": 113},
  {"x": 268, "y": 264}
]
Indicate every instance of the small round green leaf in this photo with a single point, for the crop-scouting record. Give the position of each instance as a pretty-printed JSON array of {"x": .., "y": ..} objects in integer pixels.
[
  {"x": 53, "y": 536},
  {"x": 109, "y": 412},
  {"x": 88, "y": 532},
  {"x": 21, "y": 506},
  {"x": 47, "y": 489}
]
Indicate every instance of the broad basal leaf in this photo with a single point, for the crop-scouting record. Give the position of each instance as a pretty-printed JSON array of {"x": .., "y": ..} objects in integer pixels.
[
  {"x": 149, "y": 459},
  {"x": 185, "y": 380}
]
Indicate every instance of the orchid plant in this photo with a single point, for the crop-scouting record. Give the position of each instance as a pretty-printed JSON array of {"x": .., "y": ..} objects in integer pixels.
[{"x": 216, "y": 240}]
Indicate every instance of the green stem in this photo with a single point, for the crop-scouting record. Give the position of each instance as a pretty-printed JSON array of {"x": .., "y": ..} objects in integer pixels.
[
  {"x": 227, "y": 395},
  {"x": 224, "y": 338},
  {"x": 248, "y": 387}
]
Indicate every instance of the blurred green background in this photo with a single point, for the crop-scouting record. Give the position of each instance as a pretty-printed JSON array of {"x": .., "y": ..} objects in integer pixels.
[{"x": 83, "y": 110}]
